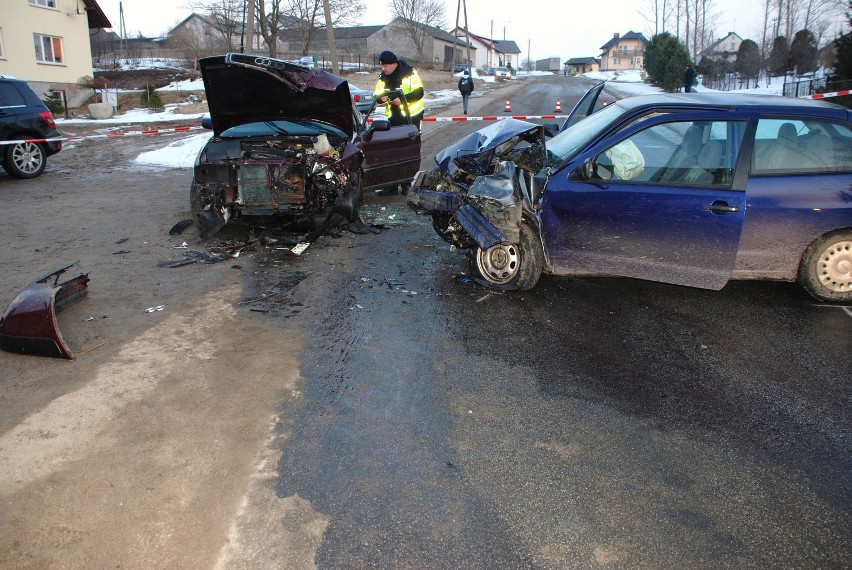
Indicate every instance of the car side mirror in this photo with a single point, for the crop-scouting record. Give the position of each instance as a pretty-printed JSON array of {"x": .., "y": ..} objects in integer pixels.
[
  {"x": 583, "y": 172},
  {"x": 551, "y": 129},
  {"x": 206, "y": 122},
  {"x": 377, "y": 125}
]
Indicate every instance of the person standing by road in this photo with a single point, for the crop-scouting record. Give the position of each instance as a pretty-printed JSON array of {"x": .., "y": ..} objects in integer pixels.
[
  {"x": 465, "y": 88},
  {"x": 396, "y": 74},
  {"x": 688, "y": 79}
]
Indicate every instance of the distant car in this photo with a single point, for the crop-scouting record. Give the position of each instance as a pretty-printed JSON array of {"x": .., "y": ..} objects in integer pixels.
[
  {"x": 24, "y": 117},
  {"x": 363, "y": 99},
  {"x": 693, "y": 189},
  {"x": 288, "y": 145},
  {"x": 489, "y": 71},
  {"x": 503, "y": 72},
  {"x": 459, "y": 67},
  {"x": 307, "y": 61}
]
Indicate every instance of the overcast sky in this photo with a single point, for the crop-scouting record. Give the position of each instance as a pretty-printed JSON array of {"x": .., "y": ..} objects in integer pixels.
[{"x": 541, "y": 28}]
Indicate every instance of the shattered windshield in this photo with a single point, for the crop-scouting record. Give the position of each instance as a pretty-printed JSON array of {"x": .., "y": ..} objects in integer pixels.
[{"x": 565, "y": 144}]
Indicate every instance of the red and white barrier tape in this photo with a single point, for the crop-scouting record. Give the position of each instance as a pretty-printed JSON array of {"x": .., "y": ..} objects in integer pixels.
[
  {"x": 109, "y": 135},
  {"x": 824, "y": 95},
  {"x": 187, "y": 128}
]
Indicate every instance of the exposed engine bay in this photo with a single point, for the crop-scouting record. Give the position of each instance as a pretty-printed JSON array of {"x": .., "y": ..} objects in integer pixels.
[{"x": 289, "y": 178}]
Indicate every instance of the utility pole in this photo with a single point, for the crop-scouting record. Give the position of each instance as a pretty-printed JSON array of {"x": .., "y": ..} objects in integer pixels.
[
  {"x": 122, "y": 31},
  {"x": 456, "y": 35}
]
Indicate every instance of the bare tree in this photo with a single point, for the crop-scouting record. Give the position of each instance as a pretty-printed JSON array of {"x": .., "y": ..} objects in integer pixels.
[
  {"x": 414, "y": 12},
  {"x": 271, "y": 23},
  {"x": 226, "y": 16},
  {"x": 307, "y": 17}
]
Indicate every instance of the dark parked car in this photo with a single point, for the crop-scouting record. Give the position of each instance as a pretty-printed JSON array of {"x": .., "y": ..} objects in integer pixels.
[
  {"x": 363, "y": 99},
  {"x": 692, "y": 189},
  {"x": 23, "y": 117},
  {"x": 289, "y": 144}
]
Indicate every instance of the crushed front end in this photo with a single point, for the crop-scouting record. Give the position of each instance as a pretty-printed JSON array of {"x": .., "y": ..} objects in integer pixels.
[{"x": 486, "y": 185}]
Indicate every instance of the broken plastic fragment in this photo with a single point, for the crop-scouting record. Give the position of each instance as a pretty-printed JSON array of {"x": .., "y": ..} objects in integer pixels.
[
  {"x": 155, "y": 309},
  {"x": 299, "y": 248},
  {"x": 28, "y": 325},
  {"x": 179, "y": 227}
]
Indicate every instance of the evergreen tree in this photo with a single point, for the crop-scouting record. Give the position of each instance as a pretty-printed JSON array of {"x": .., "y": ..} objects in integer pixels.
[
  {"x": 151, "y": 99},
  {"x": 779, "y": 57},
  {"x": 843, "y": 53},
  {"x": 665, "y": 61},
  {"x": 804, "y": 52},
  {"x": 748, "y": 60}
]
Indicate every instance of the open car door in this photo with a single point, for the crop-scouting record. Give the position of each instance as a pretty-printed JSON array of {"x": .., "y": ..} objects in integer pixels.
[
  {"x": 390, "y": 156},
  {"x": 584, "y": 107}
]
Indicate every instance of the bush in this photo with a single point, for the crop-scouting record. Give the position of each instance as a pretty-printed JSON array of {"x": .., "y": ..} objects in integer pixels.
[
  {"x": 54, "y": 104},
  {"x": 151, "y": 98}
]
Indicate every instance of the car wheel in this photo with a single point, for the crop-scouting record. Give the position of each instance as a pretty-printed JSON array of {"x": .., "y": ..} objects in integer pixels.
[
  {"x": 25, "y": 159},
  {"x": 514, "y": 266},
  {"x": 826, "y": 268}
]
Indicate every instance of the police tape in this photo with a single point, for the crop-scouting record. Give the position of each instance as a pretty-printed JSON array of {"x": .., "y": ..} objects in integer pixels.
[
  {"x": 188, "y": 128},
  {"x": 824, "y": 95},
  {"x": 106, "y": 136}
]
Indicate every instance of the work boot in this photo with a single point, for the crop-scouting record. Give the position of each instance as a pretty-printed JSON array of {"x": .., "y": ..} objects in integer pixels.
[{"x": 387, "y": 191}]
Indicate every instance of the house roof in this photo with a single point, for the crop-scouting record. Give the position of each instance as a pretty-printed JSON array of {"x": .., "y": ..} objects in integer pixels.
[
  {"x": 581, "y": 61},
  {"x": 631, "y": 35},
  {"x": 502, "y": 46},
  {"x": 712, "y": 47},
  {"x": 438, "y": 33},
  {"x": 96, "y": 16},
  {"x": 506, "y": 46}
]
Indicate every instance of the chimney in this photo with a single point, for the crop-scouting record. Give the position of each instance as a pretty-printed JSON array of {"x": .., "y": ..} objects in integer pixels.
[{"x": 615, "y": 35}]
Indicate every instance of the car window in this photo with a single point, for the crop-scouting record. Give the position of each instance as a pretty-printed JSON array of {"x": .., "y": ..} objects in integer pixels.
[
  {"x": 10, "y": 96},
  {"x": 561, "y": 147},
  {"x": 797, "y": 146},
  {"x": 683, "y": 153}
]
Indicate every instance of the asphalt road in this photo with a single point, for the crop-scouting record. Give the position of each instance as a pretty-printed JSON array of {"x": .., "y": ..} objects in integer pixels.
[{"x": 432, "y": 423}]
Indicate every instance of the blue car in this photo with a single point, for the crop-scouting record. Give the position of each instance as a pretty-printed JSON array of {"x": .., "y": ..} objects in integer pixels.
[{"x": 693, "y": 189}]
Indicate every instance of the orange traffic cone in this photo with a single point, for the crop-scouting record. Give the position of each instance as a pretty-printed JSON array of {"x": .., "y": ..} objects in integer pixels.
[
  {"x": 558, "y": 106},
  {"x": 508, "y": 108}
]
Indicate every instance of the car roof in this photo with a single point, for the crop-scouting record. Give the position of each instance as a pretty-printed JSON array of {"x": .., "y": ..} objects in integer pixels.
[{"x": 729, "y": 101}]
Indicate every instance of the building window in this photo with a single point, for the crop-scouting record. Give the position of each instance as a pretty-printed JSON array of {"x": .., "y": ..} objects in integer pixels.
[
  {"x": 2, "y": 51},
  {"x": 48, "y": 49},
  {"x": 43, "y": 3}
]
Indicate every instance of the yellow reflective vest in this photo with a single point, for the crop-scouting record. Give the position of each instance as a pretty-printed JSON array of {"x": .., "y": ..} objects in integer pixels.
[{"x": 410, "y": 85}]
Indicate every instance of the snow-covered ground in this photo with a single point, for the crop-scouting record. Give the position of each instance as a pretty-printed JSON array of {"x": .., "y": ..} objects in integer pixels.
[{"x": 182, "y": 153}]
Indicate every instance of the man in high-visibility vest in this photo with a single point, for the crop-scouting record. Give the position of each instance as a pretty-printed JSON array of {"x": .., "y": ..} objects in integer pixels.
[{"x": 398, "y": 74}]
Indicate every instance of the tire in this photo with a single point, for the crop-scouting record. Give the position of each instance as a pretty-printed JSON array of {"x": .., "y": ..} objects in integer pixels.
[
  {"x": 24, "y": 159},
  {"x": 511, "y": 267},
  {"x": 826, "y": 267}
]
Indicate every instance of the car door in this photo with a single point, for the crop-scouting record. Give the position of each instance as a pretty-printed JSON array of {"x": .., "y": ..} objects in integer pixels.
[
  {"x": 390, "y": 157},
  {"x": 634, "y": 206},
  {"x": 584, "y": 106}
]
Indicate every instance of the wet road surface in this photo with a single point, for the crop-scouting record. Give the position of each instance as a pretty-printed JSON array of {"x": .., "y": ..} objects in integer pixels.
[{"x": 587, "y": 423}]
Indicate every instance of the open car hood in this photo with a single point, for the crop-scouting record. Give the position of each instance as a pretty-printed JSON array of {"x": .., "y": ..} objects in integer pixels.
[{"x": 243, "y": 88}]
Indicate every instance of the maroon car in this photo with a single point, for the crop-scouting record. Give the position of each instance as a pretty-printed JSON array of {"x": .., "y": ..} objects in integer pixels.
[{"x": 288, "y": 143}]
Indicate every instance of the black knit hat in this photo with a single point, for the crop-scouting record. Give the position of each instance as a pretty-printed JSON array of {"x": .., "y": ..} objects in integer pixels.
[{"x": 388, "y": 57}]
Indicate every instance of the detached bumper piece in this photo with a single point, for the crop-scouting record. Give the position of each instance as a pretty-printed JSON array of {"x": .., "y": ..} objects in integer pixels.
[
  {"x": 479, "y": 228},
  {"x": 28, "y": 325}
]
